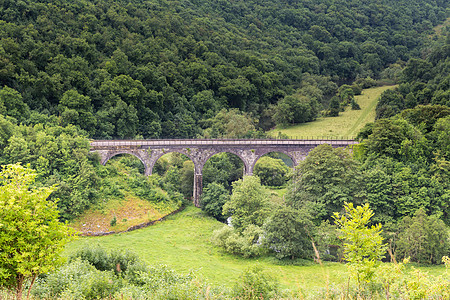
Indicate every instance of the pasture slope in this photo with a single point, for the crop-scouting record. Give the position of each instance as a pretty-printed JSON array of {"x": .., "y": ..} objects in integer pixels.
[
  {"x": 182, "y": 242},
  {"x": 347, "y": 124}
]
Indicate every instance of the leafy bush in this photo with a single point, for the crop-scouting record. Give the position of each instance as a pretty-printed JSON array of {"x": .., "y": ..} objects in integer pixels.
[
  {"x": 117, "y": 261},
  {"x": 355, "y": 105},
  {"x": 246, "y": 243},
  {"x": 248, "y": 203},
  {"x": 254, "y": 284},
  {"x": 272, "y": 172},
  {"x": 76, "y": 280},
  {"x": 93, "y": 273},
  {"x": 161, "y": 282}
]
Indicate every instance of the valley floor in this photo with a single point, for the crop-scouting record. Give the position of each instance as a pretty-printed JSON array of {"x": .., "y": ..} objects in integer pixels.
[{"x": 182, "y": 242}]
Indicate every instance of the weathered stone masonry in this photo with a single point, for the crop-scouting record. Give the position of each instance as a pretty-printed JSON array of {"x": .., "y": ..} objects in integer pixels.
[{"x": 199, "y": 151}]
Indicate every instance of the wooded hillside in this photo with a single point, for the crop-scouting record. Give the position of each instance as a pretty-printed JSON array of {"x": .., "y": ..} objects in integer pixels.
[{"x": 161, "y": 68}]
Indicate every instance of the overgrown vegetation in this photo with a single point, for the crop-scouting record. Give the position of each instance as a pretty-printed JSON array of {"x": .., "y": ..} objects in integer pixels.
[
  {"x": 94, "y": 273},
  {"x": 423, "y": 81}
]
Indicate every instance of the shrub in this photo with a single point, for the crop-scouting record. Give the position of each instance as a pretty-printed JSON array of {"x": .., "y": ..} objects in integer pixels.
[
  {"x": 95, "y": 255},
  {"x": 97, "y": 285},
  {"x": 116, "y": 260},
  {"x": 254, "y": 284},
  {"x": 81, "y": 280},
  {"x": 334, "y": 107},
  {"x": 76, "y": 280},
  {"x": 272, "y": 172},
  {"x": 245, "y": 243},
  {"x": 355, "y": 105}
]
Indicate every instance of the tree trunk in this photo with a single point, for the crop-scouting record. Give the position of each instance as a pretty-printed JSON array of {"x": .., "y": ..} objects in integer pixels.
[
  {"x": 19, "y": 287},
  {"x": 31, "y": 285},
  {"x": 316, "y": 252},
  {"x": 391, "y": 254}
]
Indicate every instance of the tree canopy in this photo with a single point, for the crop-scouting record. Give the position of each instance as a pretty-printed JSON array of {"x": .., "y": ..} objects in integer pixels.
[
  {"x": 248, "y": 203},
  {"x": 31, "y": 236},
  {"x": 324, "y": 181},
  {"x": 161, "y": 68}
]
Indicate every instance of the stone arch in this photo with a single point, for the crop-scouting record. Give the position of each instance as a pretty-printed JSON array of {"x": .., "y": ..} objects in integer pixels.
[
  {"x": 273, "y": 173},
  {"x": 156, "y": 154},
  {"x": 106, "y": 156},
  {"x": 287, "y": 153},
  {"x": 240, "y": 162},
  {"x": 246, "y": 157}
]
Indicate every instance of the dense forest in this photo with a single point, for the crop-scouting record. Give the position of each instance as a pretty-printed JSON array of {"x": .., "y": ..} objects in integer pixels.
[{"x": 125, "y": 69}]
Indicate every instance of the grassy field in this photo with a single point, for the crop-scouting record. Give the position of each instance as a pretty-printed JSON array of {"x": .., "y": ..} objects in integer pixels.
[
  {"x": 183, "y": 243},
  {"x": 347, "y": 124}
]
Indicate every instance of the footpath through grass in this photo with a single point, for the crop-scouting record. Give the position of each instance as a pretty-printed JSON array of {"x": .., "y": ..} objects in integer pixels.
[
  {"x": 347, "y": 124},
  {"x": 182, "y": 242}
]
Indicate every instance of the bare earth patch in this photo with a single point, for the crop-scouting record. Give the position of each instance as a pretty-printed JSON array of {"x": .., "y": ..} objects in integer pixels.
[{"x": 127, "y": 212}]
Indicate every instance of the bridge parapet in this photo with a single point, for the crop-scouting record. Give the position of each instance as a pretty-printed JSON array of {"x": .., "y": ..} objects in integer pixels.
[{"x": 216, "y": 142}]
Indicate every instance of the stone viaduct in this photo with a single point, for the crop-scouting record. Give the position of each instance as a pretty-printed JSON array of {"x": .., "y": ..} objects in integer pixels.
[{"x": 200, "y": 150}]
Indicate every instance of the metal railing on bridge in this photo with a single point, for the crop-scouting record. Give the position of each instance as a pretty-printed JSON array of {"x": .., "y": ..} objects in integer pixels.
[{"x": 221, "y": 141}]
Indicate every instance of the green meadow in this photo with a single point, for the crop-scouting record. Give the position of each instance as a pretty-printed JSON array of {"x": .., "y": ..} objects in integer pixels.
[
  {"x": 347, "y": 124},
  {"x": 182, "y": 242}
]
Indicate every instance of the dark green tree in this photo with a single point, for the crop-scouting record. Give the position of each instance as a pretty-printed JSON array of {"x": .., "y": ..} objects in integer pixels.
[
  {"x": 230, "y": 124},
  {"x": 334, "y": 108},
  {"x": 423, "y": 238},
  {"x": 295, "y": 109},
  {"x": 326, "y": 179},
  {"x": 390, "y": 103},
  {"x": 213, "y": 198},
  {"x": 271, "y": 171},
  {"x": 12, "y": 104},
  {"x": 76, "y": 109},
  {"x": 288, "y": 234},
  {"x": 397, "y": 139}
]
